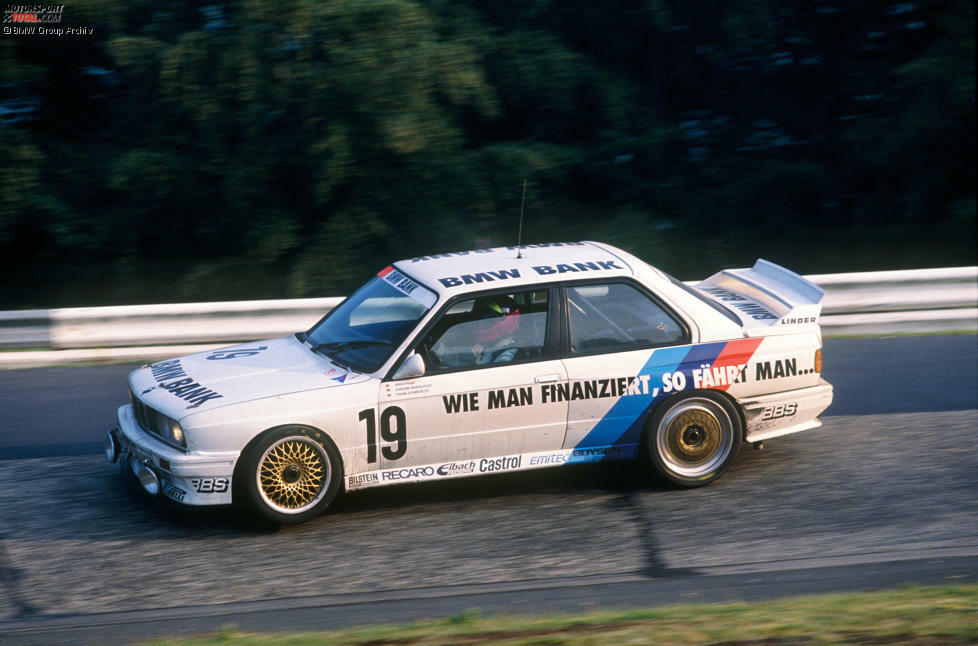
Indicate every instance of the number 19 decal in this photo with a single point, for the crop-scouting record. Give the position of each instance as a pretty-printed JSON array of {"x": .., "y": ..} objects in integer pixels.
[{"x": 396, "y": 432}]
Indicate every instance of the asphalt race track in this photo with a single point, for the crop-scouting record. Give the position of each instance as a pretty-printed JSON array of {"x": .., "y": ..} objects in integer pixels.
[{"x": 883, "y": 494}]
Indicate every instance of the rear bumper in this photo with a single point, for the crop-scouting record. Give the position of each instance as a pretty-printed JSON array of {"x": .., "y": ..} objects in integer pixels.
[
  {"x": 187, "y": 478},
  {"x": 787, "y": 412}
]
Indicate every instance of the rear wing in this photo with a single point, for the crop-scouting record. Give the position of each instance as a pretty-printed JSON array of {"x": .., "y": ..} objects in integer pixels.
[{"x": 766, "y": 296}]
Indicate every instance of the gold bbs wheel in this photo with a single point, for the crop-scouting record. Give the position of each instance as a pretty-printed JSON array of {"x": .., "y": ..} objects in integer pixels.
[
  {"x": 692, "y": 436},
  {"x": 287, "y": 475},
  {"x": 293, "y": 474},
  {"x": 693, "y": 440}
]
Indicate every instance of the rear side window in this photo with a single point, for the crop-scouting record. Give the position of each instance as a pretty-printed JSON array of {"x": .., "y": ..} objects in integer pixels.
[{"x": 615, "y": 316}]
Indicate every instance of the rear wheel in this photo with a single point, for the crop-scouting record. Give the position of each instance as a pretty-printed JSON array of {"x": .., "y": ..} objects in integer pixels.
[
  {"x": 288, "y": 475},
  {"x": 693, "y": 440}
]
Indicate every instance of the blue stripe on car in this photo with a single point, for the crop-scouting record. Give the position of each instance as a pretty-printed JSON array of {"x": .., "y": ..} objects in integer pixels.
[{"x": 622, "y": 425}]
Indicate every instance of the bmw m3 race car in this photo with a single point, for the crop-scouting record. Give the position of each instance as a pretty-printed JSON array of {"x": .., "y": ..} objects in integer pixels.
[{"x": 484, "y": 361}]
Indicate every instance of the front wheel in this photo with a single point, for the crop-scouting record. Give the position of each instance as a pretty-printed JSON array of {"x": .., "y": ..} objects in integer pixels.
[
  {"x": 693, "y": 440},
  {"x": 288, "y": 475}
]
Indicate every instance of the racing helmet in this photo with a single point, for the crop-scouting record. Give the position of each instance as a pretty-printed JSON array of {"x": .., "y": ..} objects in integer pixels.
[{"x": 498, "y": 316}]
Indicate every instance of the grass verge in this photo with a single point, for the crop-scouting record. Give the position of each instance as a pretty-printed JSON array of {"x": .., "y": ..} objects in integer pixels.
[{"x": 932, "y": 616}]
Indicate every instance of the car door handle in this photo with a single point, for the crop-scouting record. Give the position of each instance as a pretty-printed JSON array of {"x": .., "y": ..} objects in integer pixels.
[{"x": 545, "y": 379}]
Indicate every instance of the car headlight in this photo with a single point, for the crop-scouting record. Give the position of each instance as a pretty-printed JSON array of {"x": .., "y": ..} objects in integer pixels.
[
  {"x": 156, "y": 423},
  {"x": 175, "y": 434}
]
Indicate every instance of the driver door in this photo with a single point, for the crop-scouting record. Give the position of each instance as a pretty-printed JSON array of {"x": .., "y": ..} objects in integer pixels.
[{"x": 479, "y": 397}]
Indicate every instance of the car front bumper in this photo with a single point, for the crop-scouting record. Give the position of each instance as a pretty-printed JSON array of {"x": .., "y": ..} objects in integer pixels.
[{"x": 190, "y": 478}]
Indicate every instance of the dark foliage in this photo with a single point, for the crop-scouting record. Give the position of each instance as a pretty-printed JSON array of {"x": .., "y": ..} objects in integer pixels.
[{"x": 277, "y": 149}]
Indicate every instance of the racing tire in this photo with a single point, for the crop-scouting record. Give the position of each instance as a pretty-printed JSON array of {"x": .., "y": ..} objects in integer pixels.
[
  {"x": 692, "y": 440},
  {"x": 287, "y": 475}
]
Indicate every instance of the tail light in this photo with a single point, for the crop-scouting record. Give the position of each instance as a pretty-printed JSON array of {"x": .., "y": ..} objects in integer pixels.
[{"x": 818, "y": 360}]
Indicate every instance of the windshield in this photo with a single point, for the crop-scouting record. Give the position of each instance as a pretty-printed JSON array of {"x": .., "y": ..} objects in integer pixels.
[{"x": 367, "y": 327}]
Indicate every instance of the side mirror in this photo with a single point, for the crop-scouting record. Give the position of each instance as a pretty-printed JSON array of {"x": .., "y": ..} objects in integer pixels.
[{"x": 413, "y": 366}]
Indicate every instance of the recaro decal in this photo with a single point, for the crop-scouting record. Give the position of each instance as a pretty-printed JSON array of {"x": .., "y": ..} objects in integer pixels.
[{"x": 408, "y": 473}]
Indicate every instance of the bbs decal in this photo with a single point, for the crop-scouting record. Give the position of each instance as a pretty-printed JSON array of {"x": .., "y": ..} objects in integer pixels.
[
  {"x": 779, "y": 411},
  {"x": 210, "y": 485}
]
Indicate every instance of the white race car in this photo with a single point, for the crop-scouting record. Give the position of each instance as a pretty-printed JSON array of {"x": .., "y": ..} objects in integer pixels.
[{"x": 484, "y": 361}]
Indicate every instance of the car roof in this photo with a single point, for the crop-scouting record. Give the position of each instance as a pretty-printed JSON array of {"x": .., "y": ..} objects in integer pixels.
[{"x": 481, "y": 269}]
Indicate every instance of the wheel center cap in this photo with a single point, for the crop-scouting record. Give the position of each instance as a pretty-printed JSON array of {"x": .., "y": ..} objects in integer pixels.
[
  {"x": 291, "y": 474},
  {"x": 693, "y": 435}
]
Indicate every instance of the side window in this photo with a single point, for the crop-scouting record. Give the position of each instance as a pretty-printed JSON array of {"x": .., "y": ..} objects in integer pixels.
[
  {"x": 616, "y": 316},
  {"x": 488, "y": 330}
]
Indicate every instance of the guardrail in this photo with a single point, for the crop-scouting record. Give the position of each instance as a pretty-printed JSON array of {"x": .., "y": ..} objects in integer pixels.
[
  {"x": 911, "y": 301},
  {"x": 141, "y": 325},
  {"x": 878, "y": 303}
]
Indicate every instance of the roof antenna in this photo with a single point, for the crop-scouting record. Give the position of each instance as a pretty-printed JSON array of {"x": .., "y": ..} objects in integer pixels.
[{"x": 519, "y": 238}]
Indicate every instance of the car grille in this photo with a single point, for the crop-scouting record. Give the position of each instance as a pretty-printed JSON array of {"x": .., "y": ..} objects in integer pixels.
[{"x": 151, "y": 420}]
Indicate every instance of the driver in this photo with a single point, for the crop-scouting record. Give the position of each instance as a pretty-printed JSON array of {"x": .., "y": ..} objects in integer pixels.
[{"x": 498, "y": 319}]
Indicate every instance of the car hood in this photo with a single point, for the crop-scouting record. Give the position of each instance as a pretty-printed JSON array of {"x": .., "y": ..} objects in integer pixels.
[{"x": 206, "y": 380}]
